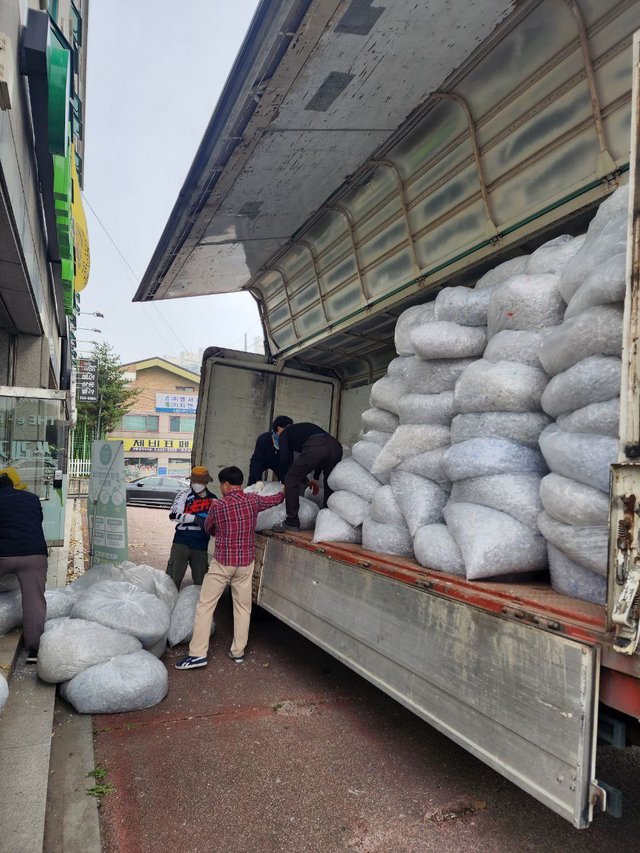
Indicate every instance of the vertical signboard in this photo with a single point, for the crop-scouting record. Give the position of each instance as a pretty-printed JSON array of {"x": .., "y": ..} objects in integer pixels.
[
  {"x": 87, "y": 380},
  {"x": 107, "y": 508}
]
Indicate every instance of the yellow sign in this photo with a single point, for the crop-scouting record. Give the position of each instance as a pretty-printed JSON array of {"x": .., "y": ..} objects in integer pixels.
[
  {"x": 156, "y": 445},
  {"x": 80, "y": 232}
]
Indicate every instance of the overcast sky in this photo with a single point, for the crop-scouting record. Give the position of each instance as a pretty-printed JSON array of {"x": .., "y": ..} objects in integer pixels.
[{"x": 155, "y": 71}]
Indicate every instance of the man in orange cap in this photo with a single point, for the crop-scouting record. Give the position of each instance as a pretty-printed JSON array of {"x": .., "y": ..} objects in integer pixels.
[{"x": 190, "y": 542}]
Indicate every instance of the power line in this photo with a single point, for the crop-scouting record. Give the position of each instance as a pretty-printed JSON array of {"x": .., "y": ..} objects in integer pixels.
[{"x": 135, "y": 277}]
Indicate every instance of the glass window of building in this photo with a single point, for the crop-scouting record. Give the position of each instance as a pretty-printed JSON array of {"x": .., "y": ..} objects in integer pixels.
[
  {"x": 182, "y": 424},
  {"x": 141, "y": 423}
]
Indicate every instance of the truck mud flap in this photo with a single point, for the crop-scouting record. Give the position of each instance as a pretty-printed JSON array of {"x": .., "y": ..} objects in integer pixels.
[{"x": 519, "y": 698}]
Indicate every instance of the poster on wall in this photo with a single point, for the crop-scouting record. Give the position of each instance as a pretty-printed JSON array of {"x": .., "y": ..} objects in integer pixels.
[{"x": 107, "y": 507}]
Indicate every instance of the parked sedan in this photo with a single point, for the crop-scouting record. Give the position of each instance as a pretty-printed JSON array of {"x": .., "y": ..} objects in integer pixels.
[{"x": 154, "y": 491}]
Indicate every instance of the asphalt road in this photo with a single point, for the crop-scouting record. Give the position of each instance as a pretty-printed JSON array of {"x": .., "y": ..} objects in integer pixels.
[{"x": 293, "y": 752}]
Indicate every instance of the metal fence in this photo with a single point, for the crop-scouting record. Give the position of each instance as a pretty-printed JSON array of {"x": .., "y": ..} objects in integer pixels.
[{"x": 79, "y": 467}]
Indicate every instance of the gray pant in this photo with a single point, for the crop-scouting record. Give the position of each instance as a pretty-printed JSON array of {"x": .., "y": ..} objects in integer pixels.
[
  {"x": 182, "y": 556},
  {"x": 32, "y": 574}
]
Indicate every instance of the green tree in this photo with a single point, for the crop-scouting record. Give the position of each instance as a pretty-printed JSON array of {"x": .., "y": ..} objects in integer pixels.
[{"x": 115, "y": 398}]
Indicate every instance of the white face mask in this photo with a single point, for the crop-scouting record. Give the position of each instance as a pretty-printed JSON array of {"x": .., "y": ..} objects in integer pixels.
[{"x": 198, "y": 487}]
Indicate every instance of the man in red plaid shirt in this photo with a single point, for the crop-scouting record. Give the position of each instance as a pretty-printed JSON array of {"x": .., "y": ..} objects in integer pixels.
[{"x": 233, "y": 523}]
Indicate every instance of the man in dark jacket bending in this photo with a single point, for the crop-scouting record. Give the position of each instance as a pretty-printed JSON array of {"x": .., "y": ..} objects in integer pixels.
[{"x": 317, "y": 451}]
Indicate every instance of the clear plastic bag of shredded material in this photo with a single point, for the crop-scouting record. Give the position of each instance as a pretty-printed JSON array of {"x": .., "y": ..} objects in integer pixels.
[
  {"x": 432, "y": 377},
  {"x": 504, "y": 386},
  {"x": 139, "y": 576},
  {"x": 124, "y": 607},
  {"x": 183, "y": 616},
  {"x": 515, "y": 266},
  {"x": 584, "y": 457},
  {"x": 385, "y": 509},
  {"x": 10, "y": 610},
  {"x": 604, "y": 285},
  {"x": 307, "y": 513},
  {"x": 405, "y": 323},
  {"x": 464, "y": 305},
  {"x": 351, "y": 508},
  {"x": 96, "y": 574},
  {"x": 516, "y": 346},
  {"x": 386, "y": 538},
  {"x": 523, "y": 427},
  {"x": 596, "y": 331},
  {"x": 420, "y": 500},
  {"x": 159, "y": 648},
  {"x": 606, "y": 237},
  {"x": 59, "y": 602},
  {"x": 387, "y": 392},
  {"x": 9, "y": 582},
  {"x": 587, "y": 546},
  {"x": 373, "y": 436},
  {"x": 493, "y": 543},
  {"x": 331, "y": 528},
  {"x": 4, "y": 692},
  {"x": 483, "y": 457},
  {"x": 591, "y": 380},
  {"x": 410, "y": 440},
  {"x": 554, "y": 256},
  {"x": 396, "y": 366},
  {"x": 516, "y": 494},
  {"x": 71, "y": 645},
  {"x": 124, "y": 683},
  {"x": 427, "y": 408},
  {"x": 366, "y": 453},
  {"x": 574, "y": 503},
  {"x": 602, "y": 418},
  {"x": 352, "y": 477},
  {"x": 428, "y": 465},
  {"x": 448, "y": 340},
  {"x": 435, "y": 548},
  {"x": 525, "y": 303},
  {"x": 568, "y": 578},
  {"x": 379, "y": 420}
]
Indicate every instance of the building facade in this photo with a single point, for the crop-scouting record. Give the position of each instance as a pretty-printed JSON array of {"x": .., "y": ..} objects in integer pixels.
[
  {"x": 44, "y": 250},
  {"x": 158, "y": 431}
]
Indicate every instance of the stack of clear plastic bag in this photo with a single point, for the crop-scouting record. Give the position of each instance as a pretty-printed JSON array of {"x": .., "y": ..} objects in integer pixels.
[
  {"x": 525, "y": 303},
  {"x": 427, "y": 408},
  {"x": 387, "y": 392},
  {"x": 516, "y": 346},
  {"x": 125, "y": 683},
  {"x": 483, "y": 457},
  {"x": 586, "y": 546},
  {"x": 601, "y": 418},
  {"x": 464, "y": 305},
  {"x": 603, "y": 286},
  {"x": 591, "y": 380},
  {"x": 516, "y": 494},
  {"x": 406, "y": 322},
  {"x": 572, "y": 502},
  {"x": 60, "y": 602},
  {"x": 380, "y": 420},
  {"x": 504, "y": 271},
  {"x": 522, "y": 427},
  {"x": 432, "y": 377},
  {"x": 385, "y": 508},
  {"x": 595, "y": 331},
  {"x": 350, "y": 476},
  {"x": 586, "y": 458},
  {"x": 421, "y": 501},
  {"x": 569, "y": 578},
  {"x": 554, "y": 256},
  {"x": 69, "y": 646},
  {"x": 448, "y": 340},
  {"x": 410, "y": 440}
]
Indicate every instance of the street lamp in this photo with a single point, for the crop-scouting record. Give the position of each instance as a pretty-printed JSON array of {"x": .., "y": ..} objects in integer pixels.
[
  {"x": 86, "y": 329},
  {"x": 92, "y": 314}
]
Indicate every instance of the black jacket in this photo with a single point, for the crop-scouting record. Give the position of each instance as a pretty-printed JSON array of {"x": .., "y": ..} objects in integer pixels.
[
  {"x": 292, "y": 441},
  {"x": 21, "y": 532},
  {"x": 265, "y": 458}
]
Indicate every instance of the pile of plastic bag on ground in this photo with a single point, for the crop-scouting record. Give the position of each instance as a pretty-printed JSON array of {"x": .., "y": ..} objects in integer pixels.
[
  {"x": 583, "y": 357},
  {"x": 105, "y": 632},
  {"x": 493, "y": 387}
]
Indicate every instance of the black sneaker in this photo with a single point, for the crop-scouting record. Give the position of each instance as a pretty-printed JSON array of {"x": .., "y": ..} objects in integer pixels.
[
  {"x": 190, "y": 662},
  {"x": 32, "y": 656},
  {"x": 286, "y": 527},
  {"x": 236, "y": 658}
]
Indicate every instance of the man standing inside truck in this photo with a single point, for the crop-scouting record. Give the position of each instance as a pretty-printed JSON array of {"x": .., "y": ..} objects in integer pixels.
[
  {"x": 265, "y": 458},
  {"x": 317, "y": 451}
]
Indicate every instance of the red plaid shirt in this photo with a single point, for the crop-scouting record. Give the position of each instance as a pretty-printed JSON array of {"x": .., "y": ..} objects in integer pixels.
[{"x": 233, "y": 522}]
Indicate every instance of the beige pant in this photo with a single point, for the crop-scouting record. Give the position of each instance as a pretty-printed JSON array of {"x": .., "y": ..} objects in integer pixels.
[{"x": 213, "y": 585}]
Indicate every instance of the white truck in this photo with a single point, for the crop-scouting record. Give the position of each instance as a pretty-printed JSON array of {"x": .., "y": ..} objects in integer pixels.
[{"x": 360, "y": 157}]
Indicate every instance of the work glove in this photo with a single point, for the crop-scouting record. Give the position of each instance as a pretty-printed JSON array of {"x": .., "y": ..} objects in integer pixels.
[{"x": 186, "y": 518}]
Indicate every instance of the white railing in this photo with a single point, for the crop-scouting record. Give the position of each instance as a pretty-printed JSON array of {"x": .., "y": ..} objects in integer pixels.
[{"x": 79, "y": 467}]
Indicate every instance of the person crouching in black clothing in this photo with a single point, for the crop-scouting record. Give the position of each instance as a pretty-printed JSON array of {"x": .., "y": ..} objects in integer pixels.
[{"x": 317, "y": 451}]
